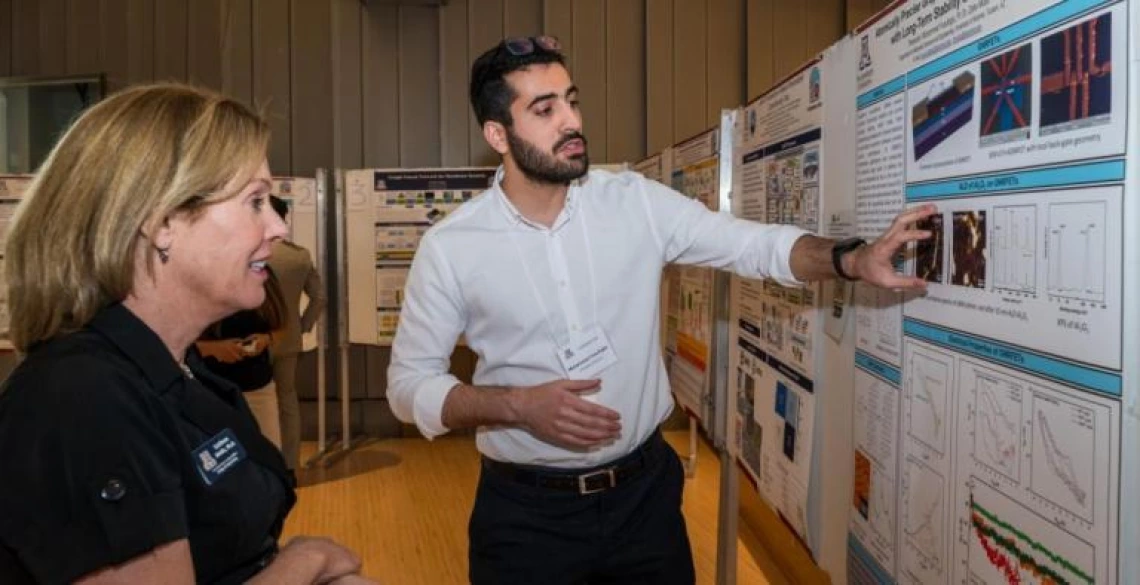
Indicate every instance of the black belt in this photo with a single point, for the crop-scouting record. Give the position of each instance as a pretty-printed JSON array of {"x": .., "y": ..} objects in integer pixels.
[{"x": 584, "y": 481}]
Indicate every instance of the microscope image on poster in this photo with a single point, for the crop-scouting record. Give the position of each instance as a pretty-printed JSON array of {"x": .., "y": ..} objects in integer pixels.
[
  {"x": 969, "y": 249},
  {"x": 938, "y": 117},
  {"x": 1076, "y": 76},
  {"x": 1007, "y": 102},
  {"x": 928, "y": 263}
]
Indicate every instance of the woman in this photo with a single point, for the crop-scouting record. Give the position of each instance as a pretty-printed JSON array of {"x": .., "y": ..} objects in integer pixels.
[
  {"x": 125, "y": 460},
  {"x": 237, "y": 349}
]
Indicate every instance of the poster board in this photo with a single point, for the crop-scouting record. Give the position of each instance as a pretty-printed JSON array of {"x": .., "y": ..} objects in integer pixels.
[
  {"x": 301, "y": 195},
  {"x": 658, "y": 167},
  {"x": 987, "y": 443},
  {"x": 695, "y": 172},
  {"x": 12, "y": 188},
  {"x": 775, "y": 331},
  {"x": 387, "y": 211}
]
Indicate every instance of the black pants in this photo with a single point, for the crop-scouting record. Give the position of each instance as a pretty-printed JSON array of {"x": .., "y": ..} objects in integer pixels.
[{"x": 631, "y": 534}]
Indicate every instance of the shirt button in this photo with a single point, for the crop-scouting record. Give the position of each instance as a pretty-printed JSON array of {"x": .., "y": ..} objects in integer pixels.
[{"x": 114, "y": 490}]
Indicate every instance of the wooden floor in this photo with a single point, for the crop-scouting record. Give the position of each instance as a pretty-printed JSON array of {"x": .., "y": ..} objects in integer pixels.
[{"x": 403, "y": 505}]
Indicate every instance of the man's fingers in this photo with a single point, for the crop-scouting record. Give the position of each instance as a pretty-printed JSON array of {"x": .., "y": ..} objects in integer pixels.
[
  {"x": 580, "y": 385},
  {"x": 900, "y": 239},
  {"x": 588, "y": 414},
  {"x": 595, "y": 410},
  {"x": 584, "y": 431},
  {"x": 915, "y": 214}
]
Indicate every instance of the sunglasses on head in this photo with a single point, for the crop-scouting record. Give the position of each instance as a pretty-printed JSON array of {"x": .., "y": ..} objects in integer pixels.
[{"x": 519, "y": 46}]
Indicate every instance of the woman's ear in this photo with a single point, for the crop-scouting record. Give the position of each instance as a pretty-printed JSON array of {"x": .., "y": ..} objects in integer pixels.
[{"x": 159, "y": 232}]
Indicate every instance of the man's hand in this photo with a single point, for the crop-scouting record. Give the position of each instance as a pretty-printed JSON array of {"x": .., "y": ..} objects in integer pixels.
[
  {"x": 872, "y": 263},
  {"x": 555, "y": 413}
]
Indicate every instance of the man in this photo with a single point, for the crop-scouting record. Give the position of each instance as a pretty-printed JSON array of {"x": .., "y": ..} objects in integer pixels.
[
  {"x": 296, "y": 274},
  {"x": 553, "y": 277}
]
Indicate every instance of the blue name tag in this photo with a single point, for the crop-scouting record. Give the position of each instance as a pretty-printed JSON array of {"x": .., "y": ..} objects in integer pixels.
[{"x": 217, "y": 456}]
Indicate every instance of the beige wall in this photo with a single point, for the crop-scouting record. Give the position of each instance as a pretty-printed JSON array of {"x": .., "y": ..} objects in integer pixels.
[{"x": 357, "y": 84}]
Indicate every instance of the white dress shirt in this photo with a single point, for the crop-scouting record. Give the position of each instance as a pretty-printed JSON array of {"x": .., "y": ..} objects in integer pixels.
[{"x": 518, "y": 291}]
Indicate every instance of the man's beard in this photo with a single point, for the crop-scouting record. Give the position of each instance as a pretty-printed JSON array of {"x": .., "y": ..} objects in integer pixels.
[{"x": 546, "y": 168}]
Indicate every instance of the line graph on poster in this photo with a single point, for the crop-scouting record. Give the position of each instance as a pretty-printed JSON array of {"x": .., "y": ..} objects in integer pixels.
[
  {"x": 1063, "y": 455},
  {"x": 923, "y": 523},
  {"x": 928, "y": 381},
  {"x": 997, "y": 417},
  {"x": 1009, "y": 543}
]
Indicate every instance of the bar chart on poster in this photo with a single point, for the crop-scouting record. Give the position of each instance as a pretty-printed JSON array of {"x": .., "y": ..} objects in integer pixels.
[{"x": 987, "y": 419}]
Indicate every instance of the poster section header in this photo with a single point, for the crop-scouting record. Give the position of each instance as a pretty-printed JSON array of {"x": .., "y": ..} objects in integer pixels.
[
  {"x": 428, "y": 180},
  {"x": 872, "y": 365},
  {"x": 1057, "y": 177},
  {"x": 1030, "y": 361},
  {"x": 787, "y": 371},
  {"x": 784, "y": 145}
]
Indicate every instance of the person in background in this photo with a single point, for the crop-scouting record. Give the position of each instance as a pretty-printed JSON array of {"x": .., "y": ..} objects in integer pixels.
[
  {"x": 124, "y": 459},
  {"x": 296, "y": 274},
  {"x": 553, "y": 275},
  {"x": 237, "y": 348}
]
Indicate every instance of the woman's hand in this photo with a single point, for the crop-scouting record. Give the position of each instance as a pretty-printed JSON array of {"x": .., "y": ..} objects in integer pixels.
[
  {"x": 257, "y": 343},
  {"x": 310, "y": 560},
  {"x": 227, "y": 351}
]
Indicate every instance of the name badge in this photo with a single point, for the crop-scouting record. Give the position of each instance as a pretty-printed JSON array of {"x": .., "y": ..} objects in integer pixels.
[
  {"x": 217, "y": 456},
  {"x": 587, "y": 355}
]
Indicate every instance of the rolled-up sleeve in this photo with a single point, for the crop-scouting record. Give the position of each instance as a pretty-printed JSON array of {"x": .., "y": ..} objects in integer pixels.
[
  {"x": 431, "y": 319},
  {"x": 690, "y": 233}
]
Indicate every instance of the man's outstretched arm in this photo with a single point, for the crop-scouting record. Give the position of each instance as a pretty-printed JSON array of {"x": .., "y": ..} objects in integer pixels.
[{"x": 872, "y": 263}]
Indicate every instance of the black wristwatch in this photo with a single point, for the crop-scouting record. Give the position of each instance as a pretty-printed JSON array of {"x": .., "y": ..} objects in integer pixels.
[{"x": 837, "y": 252}]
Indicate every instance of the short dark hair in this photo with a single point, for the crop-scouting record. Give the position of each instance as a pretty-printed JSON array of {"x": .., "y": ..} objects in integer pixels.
[
  {"x": 491, "y": 95},
  {"x": 280, "y": 206}
]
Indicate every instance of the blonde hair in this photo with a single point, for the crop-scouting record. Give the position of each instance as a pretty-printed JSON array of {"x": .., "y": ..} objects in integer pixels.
[{"x": 129, "y": 162}]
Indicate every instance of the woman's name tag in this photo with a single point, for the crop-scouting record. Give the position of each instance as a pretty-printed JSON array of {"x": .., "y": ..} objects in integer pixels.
[{"x": 217, "y": 456}]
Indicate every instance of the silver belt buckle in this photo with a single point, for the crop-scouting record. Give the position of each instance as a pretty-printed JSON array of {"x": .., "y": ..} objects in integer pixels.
[{"x": 607, "y": 472}]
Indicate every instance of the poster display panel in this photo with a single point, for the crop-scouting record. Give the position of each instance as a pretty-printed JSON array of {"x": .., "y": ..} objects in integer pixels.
[
  {"x": 386, "y": 214},
  {"x": 1004, "y": 379}
]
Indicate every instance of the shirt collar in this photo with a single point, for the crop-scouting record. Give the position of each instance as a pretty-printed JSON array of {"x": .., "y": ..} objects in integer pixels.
[
  {"x": 514, "y": 218},
  {"x": 141, "y": 345}
]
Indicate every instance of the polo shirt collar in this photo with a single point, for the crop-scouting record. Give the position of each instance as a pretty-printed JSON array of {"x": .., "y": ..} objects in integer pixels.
[{"x": 139, "y": 343}]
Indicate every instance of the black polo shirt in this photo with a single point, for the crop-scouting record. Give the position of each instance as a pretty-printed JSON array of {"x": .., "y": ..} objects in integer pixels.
[{"x": 102, "y": 443}]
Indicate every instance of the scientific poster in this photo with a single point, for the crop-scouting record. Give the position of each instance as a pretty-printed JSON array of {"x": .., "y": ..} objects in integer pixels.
[
  {"x": 695, "y": 173},
  {"x": 1011, "y": 118},
  {"x": 301, "y": 195},
  {"x": 773, "y": 343},
  {"x": 658, "y": 167},
  {"x": 12, "y": 188},
  {"x": 386, "y": 214}
]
